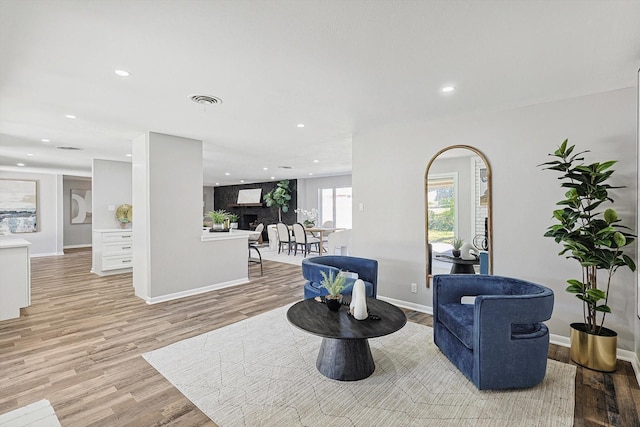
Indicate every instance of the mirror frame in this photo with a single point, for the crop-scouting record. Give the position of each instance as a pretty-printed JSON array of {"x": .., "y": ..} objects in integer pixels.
[{"x": 489, "y": 205}]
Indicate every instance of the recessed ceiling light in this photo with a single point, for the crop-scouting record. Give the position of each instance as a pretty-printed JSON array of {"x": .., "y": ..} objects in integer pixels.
[
  {"x": 242, "y": 180},
  {"x": 70, "y": 116},
  {"x": 273, "y": 177},
  {"x": 217, "y": 183},
  {"x": 265, "y": 169},
  {"x": 448, "y": 89},
  {"x": 122, "y": 73},
  {"x": 129, "y": 155},
  {"x": 45, "y": 140},
  {"x": 310, "y": 173},
  {"x": 30, "y": 154},
  {"x": 316, "y": 161},
  {"x": 20, "y": 164},
  {"x": 300, "y": 125},
  {"x": 227, "y": 173}
]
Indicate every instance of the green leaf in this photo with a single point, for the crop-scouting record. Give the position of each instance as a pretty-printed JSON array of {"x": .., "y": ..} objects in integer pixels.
[
  {"x": 606, "y": 165},
  {"x": 574, "y": 289},
  {"x": 610, "y": 216},
  {"x": 603, "y": 308},
  {"x": 596, "y": 294},
  {"x": 619, "y": 239},
  {"x": 629, "y": 262}
]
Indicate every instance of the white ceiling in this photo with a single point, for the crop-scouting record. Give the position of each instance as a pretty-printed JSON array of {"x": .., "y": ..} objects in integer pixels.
[{"x": 339, "y": 67}]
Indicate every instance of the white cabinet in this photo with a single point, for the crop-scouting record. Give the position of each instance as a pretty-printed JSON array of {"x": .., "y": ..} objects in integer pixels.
[
  {"x": 15, "y": 277},
  {"x": 112, "y": 252}
]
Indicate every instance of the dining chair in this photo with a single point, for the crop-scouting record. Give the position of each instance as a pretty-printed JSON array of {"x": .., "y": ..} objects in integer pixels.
[
  {"x": 303, "y": 239},
  {"x": 284, "y": 237},
  {"x": 339, "y": 240},
  {"x": 272, "y": 234}
]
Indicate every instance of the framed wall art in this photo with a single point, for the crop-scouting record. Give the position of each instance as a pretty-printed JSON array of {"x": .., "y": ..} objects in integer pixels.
[{"x": 18, "y": 206}]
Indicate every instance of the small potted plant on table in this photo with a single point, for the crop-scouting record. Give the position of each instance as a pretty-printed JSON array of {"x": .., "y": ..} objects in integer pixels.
[
  {"x": 233, "y": 220},
  {"x": 218, "y": 218},
  {"x": 457, "y": 244},
  {"x": 334, "y": 285}
]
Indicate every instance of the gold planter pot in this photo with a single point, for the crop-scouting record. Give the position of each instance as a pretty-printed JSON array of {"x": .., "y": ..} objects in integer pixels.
[{"x": 597, "y": 352}]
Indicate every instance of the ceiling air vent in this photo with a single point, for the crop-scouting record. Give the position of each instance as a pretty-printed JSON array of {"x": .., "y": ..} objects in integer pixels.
[
  {"x": 285, "y": 167},
  {"x": 205, "y": 99},
  {"x": 69, "y": 148}
]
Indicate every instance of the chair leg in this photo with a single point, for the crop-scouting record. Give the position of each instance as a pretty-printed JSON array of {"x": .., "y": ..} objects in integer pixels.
[{"x": 259, "y": 257}]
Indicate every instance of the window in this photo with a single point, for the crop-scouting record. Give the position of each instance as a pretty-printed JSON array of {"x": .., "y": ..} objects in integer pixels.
[
  {"x": 442, "y": 204},
  {"x": 335, "y": 205}
]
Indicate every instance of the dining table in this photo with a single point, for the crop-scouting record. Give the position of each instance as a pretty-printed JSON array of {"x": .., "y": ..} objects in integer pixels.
[{"x": 319, "y": 232}]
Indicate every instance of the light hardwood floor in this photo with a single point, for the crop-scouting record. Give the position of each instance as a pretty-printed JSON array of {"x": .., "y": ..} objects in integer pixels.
[{"x": 79, "y": 345}]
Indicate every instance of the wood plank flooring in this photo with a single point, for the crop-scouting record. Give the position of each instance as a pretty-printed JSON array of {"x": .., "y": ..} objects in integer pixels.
[{"x": 79, "y": 345}]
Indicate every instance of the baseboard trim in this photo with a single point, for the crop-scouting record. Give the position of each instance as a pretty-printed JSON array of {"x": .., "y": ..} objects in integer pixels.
[
  {"x": 408, "y": 305},
  {"x": 46, "y": 254},
  {"x": 197, "y": 291},
  {"x": 77, "y": 246}
]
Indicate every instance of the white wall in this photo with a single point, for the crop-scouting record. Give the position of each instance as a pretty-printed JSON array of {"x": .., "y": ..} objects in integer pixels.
[
  {"x": 111, "y": 187},
  {"x": 75, "y": 235},
  {"x": 207, "y": 199},
  {"x": 169, "y": 256},
  {"x": 49, "y": 238},
  {"x": 390, "y": 163}
]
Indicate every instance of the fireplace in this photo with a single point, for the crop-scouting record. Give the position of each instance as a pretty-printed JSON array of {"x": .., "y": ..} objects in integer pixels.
[{"x": 248, "y": 222}]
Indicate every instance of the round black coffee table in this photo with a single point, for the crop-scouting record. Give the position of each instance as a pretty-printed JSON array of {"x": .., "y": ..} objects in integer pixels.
[{"x": 344, "y": 353}]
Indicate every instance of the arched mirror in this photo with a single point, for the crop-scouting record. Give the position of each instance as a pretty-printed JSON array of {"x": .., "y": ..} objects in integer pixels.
[{"x": 458, "y": 208}]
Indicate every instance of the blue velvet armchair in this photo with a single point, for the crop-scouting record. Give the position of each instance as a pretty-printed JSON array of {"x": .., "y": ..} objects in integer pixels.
[
  {"x": 367, "y": 270},
  {"x": 498, "y": 341}
]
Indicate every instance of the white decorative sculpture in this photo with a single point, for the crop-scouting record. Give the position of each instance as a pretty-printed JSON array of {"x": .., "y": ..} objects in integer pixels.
[
  {"x": 358, "y": 306},
  {"x": 468, "y": 252}
]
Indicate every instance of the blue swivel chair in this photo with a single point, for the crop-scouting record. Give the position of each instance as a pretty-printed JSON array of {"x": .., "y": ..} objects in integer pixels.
[
  {"x": 498, "y": 341},
  {"x": 367, "y": 270}
]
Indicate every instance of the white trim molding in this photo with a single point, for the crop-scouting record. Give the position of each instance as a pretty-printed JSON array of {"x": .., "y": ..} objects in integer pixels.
[
  {"x": 191, "y": 292},
  {"x": 408, "y": 305}
]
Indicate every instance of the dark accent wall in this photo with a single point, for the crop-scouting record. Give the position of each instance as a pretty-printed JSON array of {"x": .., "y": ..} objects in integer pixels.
[{"x": 226, "y": 197}]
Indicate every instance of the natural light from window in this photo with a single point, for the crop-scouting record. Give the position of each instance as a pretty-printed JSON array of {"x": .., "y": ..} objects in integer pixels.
[{"x": 335, "y": 205}]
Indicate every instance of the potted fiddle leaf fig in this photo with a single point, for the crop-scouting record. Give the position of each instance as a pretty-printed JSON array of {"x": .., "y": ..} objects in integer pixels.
[
  {"x": 592, "y": 234},
  {"x": 279, "y": 197},
  {"x": 334, "y": 285}
]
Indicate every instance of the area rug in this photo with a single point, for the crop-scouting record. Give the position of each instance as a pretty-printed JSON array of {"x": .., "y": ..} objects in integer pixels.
[
  {"x": 261, "y": 372},
  {"x": 37, "y": 414},
  {"x": 273, "y": 255}
]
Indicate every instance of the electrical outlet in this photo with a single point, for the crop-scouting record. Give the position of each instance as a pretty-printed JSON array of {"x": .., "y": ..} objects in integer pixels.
[{"x": 414, "y": 288}]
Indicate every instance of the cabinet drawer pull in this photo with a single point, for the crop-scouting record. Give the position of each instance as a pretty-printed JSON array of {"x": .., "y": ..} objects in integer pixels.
[
  {"x": 126, "y": 260},
  {"x": 126, "y": 247}
]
